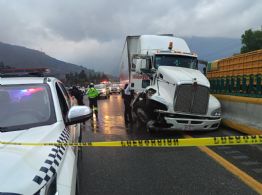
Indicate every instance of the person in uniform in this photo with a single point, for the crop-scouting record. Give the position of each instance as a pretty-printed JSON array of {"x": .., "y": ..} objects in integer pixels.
[
  {"x": 92, "y": 95},
  {"x": 127, "y": 103}
]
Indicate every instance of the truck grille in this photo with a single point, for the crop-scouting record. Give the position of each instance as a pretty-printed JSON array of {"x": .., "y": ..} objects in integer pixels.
[{"x": 191, "y": 99}]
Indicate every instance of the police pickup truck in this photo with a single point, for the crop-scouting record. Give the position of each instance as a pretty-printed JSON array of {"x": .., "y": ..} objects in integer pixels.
[{"x": 37, "y": 109}]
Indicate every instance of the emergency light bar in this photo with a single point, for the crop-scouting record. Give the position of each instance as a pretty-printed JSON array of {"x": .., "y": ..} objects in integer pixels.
[{"x": 23, "y": 72}]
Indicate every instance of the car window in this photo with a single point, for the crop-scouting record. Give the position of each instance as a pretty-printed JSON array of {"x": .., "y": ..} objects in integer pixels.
[
  {"x": 62, "y": 101},
  {"x": 176, "y": 61},
  {"x": 25, "y": 106},
  {"x": 65, "y": 94}
]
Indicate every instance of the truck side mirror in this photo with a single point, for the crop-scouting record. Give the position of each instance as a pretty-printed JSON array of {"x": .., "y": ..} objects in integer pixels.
[
  {"x": 205, "y": 71},
  {"x": 148, "y": 63},
  {"x": 133, "y": 68}
]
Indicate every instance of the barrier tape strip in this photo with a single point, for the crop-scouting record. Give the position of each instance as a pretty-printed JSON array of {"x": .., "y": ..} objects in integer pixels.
[{"x": 209, "y": 141}]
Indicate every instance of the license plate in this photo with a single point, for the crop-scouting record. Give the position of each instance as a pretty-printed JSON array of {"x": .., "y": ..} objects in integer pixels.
[{"x": 188, "y": 127}]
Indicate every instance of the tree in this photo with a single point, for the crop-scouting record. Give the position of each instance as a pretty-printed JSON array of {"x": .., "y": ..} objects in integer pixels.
[
  {"x": 251, "y": 40},
  {"x": 2, "y": 65},
  {"x": 104, "y": 77},
  {"x": 82, "y": 75},
  {"x": 83, "y": 79}
]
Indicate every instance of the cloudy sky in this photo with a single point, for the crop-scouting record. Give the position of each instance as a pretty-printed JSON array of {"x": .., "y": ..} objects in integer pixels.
[{"x": 92, "y": 33}]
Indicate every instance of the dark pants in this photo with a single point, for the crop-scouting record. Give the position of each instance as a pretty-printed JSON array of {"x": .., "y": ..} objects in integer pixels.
[
  {"x": 93, "y": 104},
  {"x": 128, "y": 110},
  {"x": 80, "y": 101}
]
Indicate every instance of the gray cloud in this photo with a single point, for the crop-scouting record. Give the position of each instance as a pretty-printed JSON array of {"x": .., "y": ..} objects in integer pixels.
[{"x": 92, "y": 33}]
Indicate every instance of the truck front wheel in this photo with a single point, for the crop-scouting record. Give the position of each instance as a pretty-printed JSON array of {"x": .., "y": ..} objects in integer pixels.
[{"x": 142, "y": 116}]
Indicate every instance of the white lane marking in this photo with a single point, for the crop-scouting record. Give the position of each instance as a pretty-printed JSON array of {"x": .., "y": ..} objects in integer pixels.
[
  {"x": 228, "y": 133},
  {"x": 240, "y": 157},
  {"x": 232, "y": 152},
  {"x": 224, "y": 147},
  {"x": 259, "y": 147},
  {"x": 249, "y": 163},
  {"x": 259, "y": 170}
]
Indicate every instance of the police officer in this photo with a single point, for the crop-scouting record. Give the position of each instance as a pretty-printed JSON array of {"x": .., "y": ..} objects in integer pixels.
[
  {"x": 92, "y": 95},
  {"x": 127, "y": 102}
]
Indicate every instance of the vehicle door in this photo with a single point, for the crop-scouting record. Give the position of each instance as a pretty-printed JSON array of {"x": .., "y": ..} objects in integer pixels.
[
  {"x": 65, "y": 105},
  {"x": 140, "y": 80}
]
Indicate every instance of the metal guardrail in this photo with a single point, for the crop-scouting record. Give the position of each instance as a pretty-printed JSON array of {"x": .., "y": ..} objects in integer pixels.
[{"x": 245, "y": 85}]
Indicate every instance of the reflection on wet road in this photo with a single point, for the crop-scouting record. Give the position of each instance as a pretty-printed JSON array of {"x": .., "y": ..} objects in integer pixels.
[
  {"x": 148, "y": 170},
  {"x": 110, "y": 123}
]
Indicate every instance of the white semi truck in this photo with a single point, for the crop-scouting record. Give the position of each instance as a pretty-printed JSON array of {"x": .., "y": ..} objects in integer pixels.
[{"x": 170, "y": 92}]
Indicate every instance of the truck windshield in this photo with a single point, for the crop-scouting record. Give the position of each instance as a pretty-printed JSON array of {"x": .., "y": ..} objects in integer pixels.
[
  {"x": 175, "y": 60},
  {"x": 25, "y": 106}
]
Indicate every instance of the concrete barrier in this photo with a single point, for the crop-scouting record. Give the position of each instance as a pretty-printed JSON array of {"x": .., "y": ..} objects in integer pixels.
[{"x": 242, "y": 113}]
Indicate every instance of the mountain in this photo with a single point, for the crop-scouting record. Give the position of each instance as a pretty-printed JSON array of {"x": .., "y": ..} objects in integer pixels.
[
  {"x": 213, "y": 48},
  {"x": 207, "y": 48},
  {"x": 21, "y": 57}
]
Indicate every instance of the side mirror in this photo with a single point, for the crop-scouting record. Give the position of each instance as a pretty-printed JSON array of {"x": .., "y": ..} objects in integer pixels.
[
  {"x": 139, "y": 63},
  {"x": 78, "y": 114},
  {"x": 205, "y": 71},
  {"x": 133, "y": 68}
]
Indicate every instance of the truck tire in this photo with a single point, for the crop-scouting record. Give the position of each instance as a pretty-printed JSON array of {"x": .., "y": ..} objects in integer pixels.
[
  {"x": 150, "y": 126},
  {"x": 142, "y": 117}
]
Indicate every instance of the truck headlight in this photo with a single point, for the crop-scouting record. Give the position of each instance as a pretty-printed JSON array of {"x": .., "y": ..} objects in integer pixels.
[
  {"x": 216, "y": 112},
  {"x": 150, "y": 92}
]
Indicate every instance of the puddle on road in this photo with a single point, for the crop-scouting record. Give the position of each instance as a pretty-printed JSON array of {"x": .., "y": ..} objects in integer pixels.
[{"x": 108, "y": 124}]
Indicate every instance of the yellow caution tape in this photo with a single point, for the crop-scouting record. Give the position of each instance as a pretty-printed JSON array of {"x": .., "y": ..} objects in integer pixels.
[{"x": 209, "y": 141}]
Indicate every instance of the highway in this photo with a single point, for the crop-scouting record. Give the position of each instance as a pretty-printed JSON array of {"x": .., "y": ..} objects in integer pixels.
[{"x": 191, "y": 170}]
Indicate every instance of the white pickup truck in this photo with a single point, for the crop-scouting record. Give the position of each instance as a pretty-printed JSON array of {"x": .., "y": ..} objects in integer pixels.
[{"x": 37, "y": 109}]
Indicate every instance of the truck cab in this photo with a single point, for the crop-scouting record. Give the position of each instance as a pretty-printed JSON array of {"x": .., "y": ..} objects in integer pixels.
[{"x": 171, "y": 92}]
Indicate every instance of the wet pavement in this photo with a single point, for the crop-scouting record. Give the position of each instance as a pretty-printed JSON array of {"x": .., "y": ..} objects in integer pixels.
[{"x": 147, "y": 170}]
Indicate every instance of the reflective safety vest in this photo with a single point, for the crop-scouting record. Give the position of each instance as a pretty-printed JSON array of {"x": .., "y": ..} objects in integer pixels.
[{"x": 92, "y": 93}]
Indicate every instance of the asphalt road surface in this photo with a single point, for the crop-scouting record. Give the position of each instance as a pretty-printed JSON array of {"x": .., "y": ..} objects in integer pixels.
[{"x": 159, "y": 170}]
